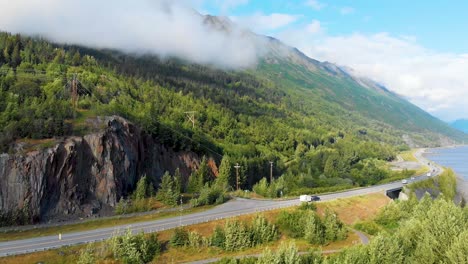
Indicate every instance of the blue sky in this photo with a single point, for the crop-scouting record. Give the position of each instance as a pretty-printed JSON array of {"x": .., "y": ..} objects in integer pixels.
[
  {"x": 418, "y": 49},
  {"x": 438, "y": 25}
]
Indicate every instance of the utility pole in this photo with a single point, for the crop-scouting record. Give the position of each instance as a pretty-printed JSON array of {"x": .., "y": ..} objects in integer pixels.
[
  {"x": 180, "y": 211},
  {"x": 74, "y": 91},
  {"x": 237, "y": 175},
  {"x": 191, "y": 117},
  {"x": 271, "y": 172}
]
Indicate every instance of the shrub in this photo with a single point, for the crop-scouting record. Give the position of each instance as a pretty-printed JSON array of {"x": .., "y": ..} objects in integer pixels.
[
  {"x": 213, "y": 194},
  {"x": 287, "y": 254},
  {"x": 134, "y": 248},
  {"x": 218, "y": 238},
  {"x": 314, "y": 229},
  {"x": 370, "y": 227},
  {"x": 87, "y": 255},
  {"x": 334, "y": 228},
  {"x": 194, "y": 240},
  {"x": 262, "y": 231},
  {"x": 179, "y": 238},
  {"x": 292, "y": 222},
  {"x": 307, "y": 206},
  {"x": 238, "y": 236}
]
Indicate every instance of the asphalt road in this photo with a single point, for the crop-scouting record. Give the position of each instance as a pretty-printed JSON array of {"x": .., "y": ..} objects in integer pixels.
[{"x": 232, "y": 208}]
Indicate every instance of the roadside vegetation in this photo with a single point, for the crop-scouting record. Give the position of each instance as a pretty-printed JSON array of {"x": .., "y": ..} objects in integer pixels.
[
  {"x": 408, "y": 155},
  {"x": 444, "y": 184},
  {"x": 411, "y": 231},
  {"x": 216, "y": 239}
]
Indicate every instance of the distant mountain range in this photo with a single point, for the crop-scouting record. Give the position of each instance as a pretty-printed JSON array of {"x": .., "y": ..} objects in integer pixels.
[{"x": 461, "y": 124}]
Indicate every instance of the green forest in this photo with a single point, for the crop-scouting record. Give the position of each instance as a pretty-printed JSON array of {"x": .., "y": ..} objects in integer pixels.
[{"x": 249, "y": 117}]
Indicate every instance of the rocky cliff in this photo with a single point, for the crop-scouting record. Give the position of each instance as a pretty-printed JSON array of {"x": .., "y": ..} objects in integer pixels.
[{"x": 82, "y": 175}]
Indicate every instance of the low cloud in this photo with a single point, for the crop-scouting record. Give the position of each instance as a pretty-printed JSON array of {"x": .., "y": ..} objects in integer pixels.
[
  {"x": 314, "y": 27},
  {"x": 435, "y": 81},
  {"x": 164, "y": 27},
  {"x": 260, "y": 22}
]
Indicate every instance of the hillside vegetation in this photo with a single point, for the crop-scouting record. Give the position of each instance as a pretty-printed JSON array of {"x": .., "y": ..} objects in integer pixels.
[{"x": 318, "y": 127}]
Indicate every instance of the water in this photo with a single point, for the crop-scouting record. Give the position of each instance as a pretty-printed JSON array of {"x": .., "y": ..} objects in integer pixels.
[{"x": 455, "y": 158}]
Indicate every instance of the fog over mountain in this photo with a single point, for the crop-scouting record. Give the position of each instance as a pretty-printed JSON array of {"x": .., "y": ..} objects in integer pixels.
[{"x": 163, "y": 27}]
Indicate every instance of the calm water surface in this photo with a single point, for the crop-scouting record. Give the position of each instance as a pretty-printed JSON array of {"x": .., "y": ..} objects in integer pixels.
[{"x": 455, "y": 158}]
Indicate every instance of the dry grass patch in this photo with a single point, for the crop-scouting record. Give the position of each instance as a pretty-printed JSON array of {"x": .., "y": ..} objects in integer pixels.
[
  {"x": 62, "y": 255},
  {"x": 355, "y": 209},
  {"x": 409, "y": 155}
]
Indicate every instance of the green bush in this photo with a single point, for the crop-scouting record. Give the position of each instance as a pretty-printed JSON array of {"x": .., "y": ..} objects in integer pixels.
[
  {"x": 262, "y": 231},
  {"x": 307, "y": 224},
  {"x": 87, "y": 255},
  {"x": 292, "y": 223},
  {"x": 218, "y": 238},
  {"x": 134, "y": 248},
  {"x": 369, "y": 227},
  {"x": 238, "y": 236},
  {"x": 179, "y": 238},
  {"x": 307, "y": 206},
  {"x": 214, "y": 194}
]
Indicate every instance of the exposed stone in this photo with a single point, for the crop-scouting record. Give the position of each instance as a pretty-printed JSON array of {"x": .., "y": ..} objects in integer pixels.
[{"x": 82, "y": 175}]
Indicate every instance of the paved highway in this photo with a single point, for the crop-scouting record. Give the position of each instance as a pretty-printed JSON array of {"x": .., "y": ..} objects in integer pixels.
[{"x": 232, "y": 208}]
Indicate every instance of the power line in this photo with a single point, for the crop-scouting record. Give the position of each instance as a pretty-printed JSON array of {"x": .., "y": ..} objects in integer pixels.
[
  {"x": 73, "y": 84},
  {"x": 187, "y": 137}
]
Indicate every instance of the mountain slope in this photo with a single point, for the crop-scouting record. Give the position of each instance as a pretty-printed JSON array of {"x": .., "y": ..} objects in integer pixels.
[
  {"x": 320, "y": 125},
  {"x": 461, "y": 124},
  {"x": 354, "y": 94}
]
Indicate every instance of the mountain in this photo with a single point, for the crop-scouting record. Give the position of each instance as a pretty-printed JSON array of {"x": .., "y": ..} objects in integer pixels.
[
  {"x": 460, "y": 124},
  {"x": 79, "y": 126}
]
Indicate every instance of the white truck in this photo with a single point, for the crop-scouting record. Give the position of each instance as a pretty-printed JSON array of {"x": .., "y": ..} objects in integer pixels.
[
  {"x": 305, "y": 198},
  {"x": 308, "y": 198}
]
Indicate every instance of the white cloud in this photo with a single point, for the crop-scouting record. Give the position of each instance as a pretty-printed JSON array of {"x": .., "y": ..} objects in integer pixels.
[
  {"x": 315, "y": 4},
  {"x": 164, "y": 27},
  {"x": 347, "y": 10},
  {"x": 436, "y": 82},
  {"x": 260, "y": 22},
  {"x": 314, "y": 27},
  {"x": 227, "y": 5}
]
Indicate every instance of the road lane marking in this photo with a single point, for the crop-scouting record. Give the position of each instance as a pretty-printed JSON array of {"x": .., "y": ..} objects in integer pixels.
[{"x": 157, "y": 225}]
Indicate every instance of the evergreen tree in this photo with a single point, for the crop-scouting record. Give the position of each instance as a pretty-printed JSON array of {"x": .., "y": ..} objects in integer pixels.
[
  {"x": 313, "y": 230},
  {"x": 262, "y": 231},
  {"x": 168, "y": 191},
  {"x": 225, "y": 176},
  {"x": 203, "y": 172},
  {"x": 141, "y": 191},
  {"x": 218, "y": 238},
  {"x": 15, "y": 56}
]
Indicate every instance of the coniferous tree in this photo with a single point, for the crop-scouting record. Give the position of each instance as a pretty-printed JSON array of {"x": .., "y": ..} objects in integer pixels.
[
  {"x": 225, "y": 177},
  {"x": 168, "y": 191}
]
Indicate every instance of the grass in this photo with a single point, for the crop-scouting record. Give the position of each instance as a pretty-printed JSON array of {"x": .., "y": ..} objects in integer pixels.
[
  {"x": 355, "y": 209},
  {"x": 95, "y": 224},
  {"x": 349, "y": 210},
  {"x": 409, "y": 155},
  {"x": 423, "y": 170}
]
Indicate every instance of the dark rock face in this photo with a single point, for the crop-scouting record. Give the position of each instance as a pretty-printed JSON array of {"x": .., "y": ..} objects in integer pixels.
[{"x": 86, "y": 174}]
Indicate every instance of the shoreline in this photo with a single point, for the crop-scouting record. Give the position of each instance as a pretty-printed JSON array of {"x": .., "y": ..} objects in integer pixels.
[{"x": 462, "y": 183}]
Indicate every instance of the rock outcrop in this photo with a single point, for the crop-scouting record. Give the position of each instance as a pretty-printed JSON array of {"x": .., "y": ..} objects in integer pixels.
[{"x": 85, "y": 175}]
